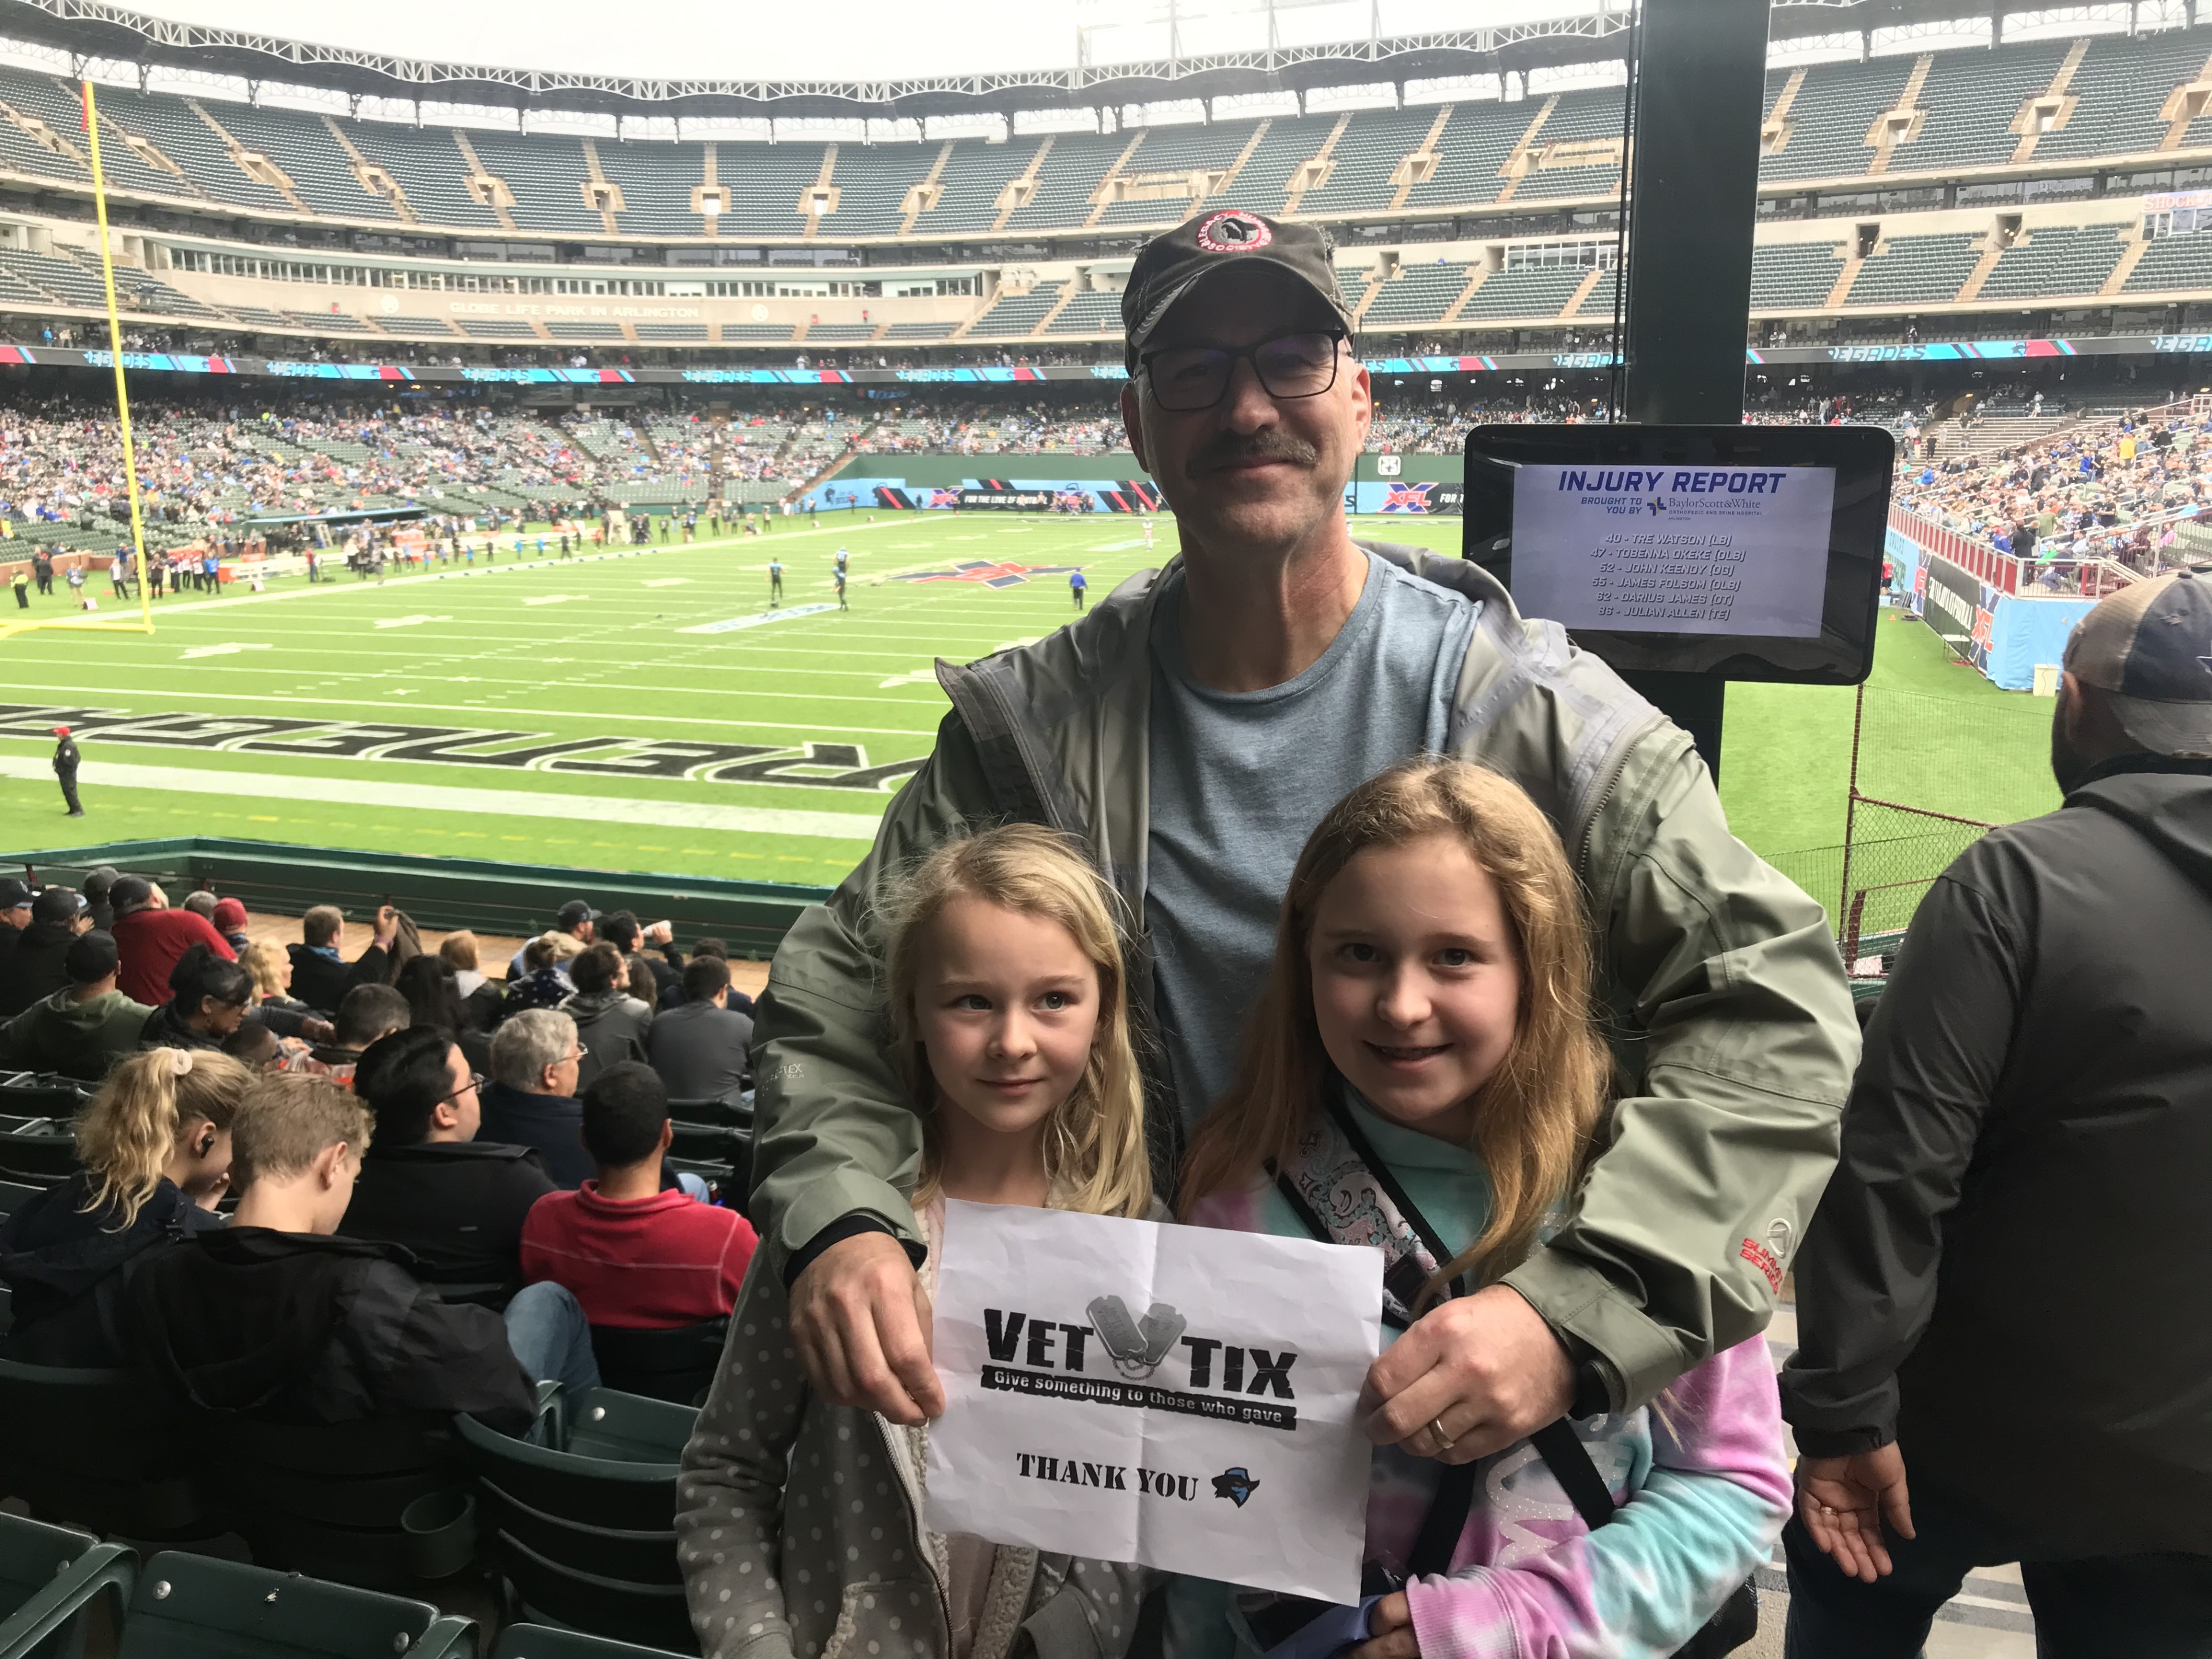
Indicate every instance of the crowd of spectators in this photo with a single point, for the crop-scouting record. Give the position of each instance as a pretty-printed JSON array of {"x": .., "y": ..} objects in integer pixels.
[
  {"x": 2129, "y": 489},
  {"x": 398, "y": 1119}
]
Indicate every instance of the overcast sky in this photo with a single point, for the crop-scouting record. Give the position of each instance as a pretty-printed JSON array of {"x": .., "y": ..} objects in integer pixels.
[{"x": 840, "y": 39}]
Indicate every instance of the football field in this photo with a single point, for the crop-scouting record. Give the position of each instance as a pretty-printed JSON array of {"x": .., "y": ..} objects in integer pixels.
[{"x": 651, "y": 710}]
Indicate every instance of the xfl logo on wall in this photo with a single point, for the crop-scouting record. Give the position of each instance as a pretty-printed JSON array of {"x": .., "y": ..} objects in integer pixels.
[{"x": 804, "y": 766}]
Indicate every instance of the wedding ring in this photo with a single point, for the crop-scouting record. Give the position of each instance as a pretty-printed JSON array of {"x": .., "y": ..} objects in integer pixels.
[{"x": 1436, "y": 1428}]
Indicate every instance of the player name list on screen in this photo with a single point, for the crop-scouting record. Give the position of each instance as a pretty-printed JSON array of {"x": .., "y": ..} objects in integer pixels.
[{"x": 1674, "y": 550}]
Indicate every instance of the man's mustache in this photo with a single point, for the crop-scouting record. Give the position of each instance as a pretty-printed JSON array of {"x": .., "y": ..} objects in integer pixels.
[{"x": 1274, "y": 445}]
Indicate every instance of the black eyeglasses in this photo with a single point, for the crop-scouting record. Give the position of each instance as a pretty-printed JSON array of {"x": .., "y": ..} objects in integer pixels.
[
  {"x": 1187, "y": 378},
  {"x": 474, "y": 1085}
]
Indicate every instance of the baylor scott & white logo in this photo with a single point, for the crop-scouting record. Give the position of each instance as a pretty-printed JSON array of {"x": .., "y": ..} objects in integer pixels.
[{"x": 1234, "y": 232}]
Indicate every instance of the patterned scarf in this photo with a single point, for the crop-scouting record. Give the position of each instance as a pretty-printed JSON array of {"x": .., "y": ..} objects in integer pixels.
[{"x": 1340, "y": 1198}]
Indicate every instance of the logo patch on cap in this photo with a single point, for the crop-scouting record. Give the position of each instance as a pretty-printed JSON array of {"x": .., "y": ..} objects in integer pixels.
[{"x": 1234, "y": 232}]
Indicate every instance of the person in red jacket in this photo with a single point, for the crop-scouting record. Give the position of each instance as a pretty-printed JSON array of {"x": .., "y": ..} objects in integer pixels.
[
  {"x": 633, "y": 1255},
  {"x": 152, "y": 938}
]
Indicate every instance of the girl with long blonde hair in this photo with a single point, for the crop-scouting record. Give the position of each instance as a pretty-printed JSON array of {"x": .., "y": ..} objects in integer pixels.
[
  {"x": 1424, "y": 1074},
  {"x": 154, "y": 1143},
  {"x": 1008, "y": 998}
]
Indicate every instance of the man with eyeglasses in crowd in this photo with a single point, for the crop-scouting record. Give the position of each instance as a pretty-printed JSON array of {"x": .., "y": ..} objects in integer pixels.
[
  {"x": 428, "y": 1180},
  {"x": 1191, "y": 729}
]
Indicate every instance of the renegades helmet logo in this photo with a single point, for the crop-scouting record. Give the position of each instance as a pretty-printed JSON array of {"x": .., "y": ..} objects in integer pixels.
[{"x": 1234, "y": 231}]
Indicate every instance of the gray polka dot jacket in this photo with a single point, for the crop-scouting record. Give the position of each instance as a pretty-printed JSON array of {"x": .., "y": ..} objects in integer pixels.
[{"x": 833, "y": 1562}]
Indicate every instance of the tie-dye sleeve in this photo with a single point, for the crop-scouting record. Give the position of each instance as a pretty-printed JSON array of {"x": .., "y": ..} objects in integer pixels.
[{"x": 1638, "y": 1588}]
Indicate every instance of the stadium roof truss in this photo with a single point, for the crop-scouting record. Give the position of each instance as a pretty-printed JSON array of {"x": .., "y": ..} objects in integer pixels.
[{"x": 89, "y": 29}]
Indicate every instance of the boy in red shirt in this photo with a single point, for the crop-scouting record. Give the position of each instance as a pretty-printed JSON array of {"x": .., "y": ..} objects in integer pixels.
[{"x": 635, "y": 1256}]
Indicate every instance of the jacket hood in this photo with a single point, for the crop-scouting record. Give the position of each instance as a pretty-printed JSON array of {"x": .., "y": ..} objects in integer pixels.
[
  {"x": 237, "y": 1316},
  {"x": 2167, "y": 802},
  {"x": 45, "y": 935},
  {"x": 587, "y": 1005},
  {"x": 92, "y": 1014}
]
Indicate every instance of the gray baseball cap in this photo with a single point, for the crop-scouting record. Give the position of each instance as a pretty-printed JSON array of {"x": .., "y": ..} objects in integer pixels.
[{"x": 2149, "y": 648}]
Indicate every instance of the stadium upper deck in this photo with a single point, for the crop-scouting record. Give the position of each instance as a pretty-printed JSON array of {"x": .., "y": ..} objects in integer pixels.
[{"x": 2049, "y": 175}]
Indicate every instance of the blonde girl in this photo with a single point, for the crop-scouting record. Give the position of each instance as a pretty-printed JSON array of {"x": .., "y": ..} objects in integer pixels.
[
  {"x": 1423, "y": 1075},
  {"x": 154, "y": 1143},
  {"x": 798, "y": 1522}
]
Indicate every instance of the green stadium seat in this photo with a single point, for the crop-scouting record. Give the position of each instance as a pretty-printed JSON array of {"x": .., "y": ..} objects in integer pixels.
[
  {"x": 103, "y": 1456},
  {"x": 544, "y": 1641},
  {"x": 583, "y": 1530},
  {"x": 676, "y": 1365},
  {"x": 325, "y": 1499},
  {"x": 40, "y": 1095},
  {"x": 49, "y": 1576},
  {"x": 727, "y": 1113},
  {"x": 38, "y": 1155},
  {"x": 193, "y": 1606}
]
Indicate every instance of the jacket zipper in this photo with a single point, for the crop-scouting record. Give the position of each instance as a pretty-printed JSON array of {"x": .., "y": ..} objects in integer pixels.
[
  {"x": 910, "y": 1490},
  {"x": 1614, "y": 772}
]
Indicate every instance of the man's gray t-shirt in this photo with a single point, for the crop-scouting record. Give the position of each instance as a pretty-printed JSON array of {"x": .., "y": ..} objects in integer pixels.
[{"x": 1239, "y": 780}]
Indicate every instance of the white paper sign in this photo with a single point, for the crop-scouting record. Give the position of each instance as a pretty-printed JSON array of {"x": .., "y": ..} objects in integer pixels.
[{"x": 1181, "y": 1397}]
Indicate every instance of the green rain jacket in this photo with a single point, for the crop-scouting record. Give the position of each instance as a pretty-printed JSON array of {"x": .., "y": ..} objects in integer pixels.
[{"x": 1731, "y": 1018}]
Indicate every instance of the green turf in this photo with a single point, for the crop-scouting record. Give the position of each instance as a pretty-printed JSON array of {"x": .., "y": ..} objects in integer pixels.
[{"x": 591, "y": 650}]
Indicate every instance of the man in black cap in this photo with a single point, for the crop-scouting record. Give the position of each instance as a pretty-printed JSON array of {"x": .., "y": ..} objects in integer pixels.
[
  {"x": 2003, "y": 1288},
  {"x": 33, "y": 968},
  {"x": 1190, "y": 731},
  {"x": 576, "y": 917},
  {"x": 83, "y": 1028},
  {"x": 97, "y": 881},
  {"x": 15, "y": 913},
  {"x": 66, "y": 760}
]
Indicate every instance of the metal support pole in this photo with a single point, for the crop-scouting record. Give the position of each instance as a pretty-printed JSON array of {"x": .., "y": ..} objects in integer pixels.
[{"x": 1700, "y": 90}]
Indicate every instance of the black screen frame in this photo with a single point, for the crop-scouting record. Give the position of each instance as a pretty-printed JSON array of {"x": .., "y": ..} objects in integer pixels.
[{"x": 1864, "y": 458}]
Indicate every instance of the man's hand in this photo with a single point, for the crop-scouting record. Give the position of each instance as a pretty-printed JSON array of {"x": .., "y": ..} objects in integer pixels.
[
  {"x": 1392, "y": 1622},
  {"x": 661, "y": 934},
  {"x": 315, "y": 1030},
  {"x": 386, "y": 924},
  {"x": 1843, "y": 1502},
  {"x": 860, "y": 1323},
  {"x": 1485, "y": 1367}
]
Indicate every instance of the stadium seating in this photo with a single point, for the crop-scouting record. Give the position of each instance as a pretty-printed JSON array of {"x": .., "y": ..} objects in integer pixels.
[
  {"x": 1418, "y": 295},
  {"x": 1915, "y": 269},
  {"x": 1014, "y": 314},
  {"x": 48, "y": 1577},
  {"x": 2054, "y": 259},
  {"x": 544, "y": 1641},
  {"x": 193, "y": 1605}
]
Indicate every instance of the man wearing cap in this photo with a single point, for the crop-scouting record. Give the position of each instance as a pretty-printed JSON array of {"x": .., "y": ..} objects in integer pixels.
[
  {"x": 33, "y": 968},
  {"x": 577, "y": 918},
  {"x": 1190, "y": 731},
  {"x": 15, "y": 915},
  {"x": 152, "y": 936},
  {"x": 85, "y": 1027},
  {"x": 2002, "y": 1290},
  {"x": 66, "y": 760}
]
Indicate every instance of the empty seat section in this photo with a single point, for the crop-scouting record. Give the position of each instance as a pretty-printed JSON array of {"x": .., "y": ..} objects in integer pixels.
[
  {"x": 71, "y": 284},
  {"x": 428, "y": 168},
  {"x": 547, "y": 175},
  {"x": 656, "y": 180},
  {"x": 566, "y": 328},
  {"x": 1576, "y": 152},
  {"x": 174, "y": 127},
  {"x": 1473, "y": 146},
  {"x": 417, "y": 326},
  {"x": 484, "y": 328},
  {"x": 1532, "y": 295},
  {"x": 1078, "y": 162},
  {"x": 1367, "y": 154},
  {"x": 337, "y": 322},
  {"x": 841, "y": 334},
  {"x": 1792, "y": 275},
  {"x": 764, "y": 333},
  {"x": 1417, "y": 295},
  {"x": 1971, "y": 99},
  {"x": 1091, "y": 312},
  {"x": 919, "y": 330},
  {"x": 671, "y": 332},
  {"x": 1915, "y": 269},
  {"x": 969, "y": 196},
  {"x": 2055, "y": 259},
  {"x": 1180, "y": 151},
  {"x": 302, "y": 146},
  {"x": 2120, "y": 88},
  {"x": 1015, "y": 315},
  {"x": 765, "y": 182},
  {"x": 1266, "y": 179},
  {"x": 1597, "y": 304},
  {"x": 2172, "y": 263},
  {"x": 60, "y": 106},
  {"x": 1830, "y": 118},
  {"x": 873, "y": 181}
]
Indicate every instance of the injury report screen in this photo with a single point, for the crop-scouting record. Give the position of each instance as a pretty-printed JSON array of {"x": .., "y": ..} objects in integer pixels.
[{"x": 1674, "y": 550}]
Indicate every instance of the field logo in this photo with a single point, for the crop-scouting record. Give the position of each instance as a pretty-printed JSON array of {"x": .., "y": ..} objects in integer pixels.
[
  {"x": 1234, "y": 232},
  {"x": 989, "y": 572}
]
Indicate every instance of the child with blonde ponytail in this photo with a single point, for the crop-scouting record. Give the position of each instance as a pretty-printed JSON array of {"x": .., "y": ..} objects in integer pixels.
[
  {"x": 155, "y": 1142},
  {"x": 1009, "y": 1000},
  {"x": 1423, "y": 1073}
]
